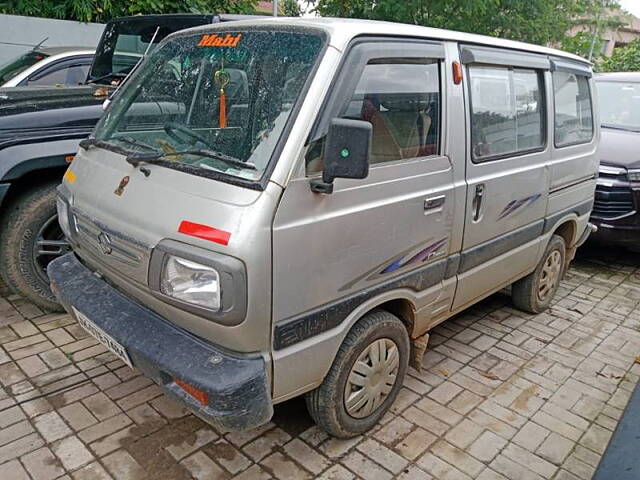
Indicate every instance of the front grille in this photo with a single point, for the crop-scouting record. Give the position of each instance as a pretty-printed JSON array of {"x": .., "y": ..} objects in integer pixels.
[
  {"x": 611, "y": 202},
  {"x": 112, "y": 248}
]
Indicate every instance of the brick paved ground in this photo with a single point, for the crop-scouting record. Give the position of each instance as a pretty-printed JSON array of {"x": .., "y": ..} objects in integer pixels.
[{"x": 502, "y": 395}]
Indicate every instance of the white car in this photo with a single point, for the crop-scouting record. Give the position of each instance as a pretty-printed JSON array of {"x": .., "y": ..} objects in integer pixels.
[{"x": 47, "y": 66}]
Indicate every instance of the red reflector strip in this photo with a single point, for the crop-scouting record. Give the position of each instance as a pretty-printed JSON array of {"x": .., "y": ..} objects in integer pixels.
[
  {"x": 205, "y": 232},
  {"x": 196, "y": 393}
]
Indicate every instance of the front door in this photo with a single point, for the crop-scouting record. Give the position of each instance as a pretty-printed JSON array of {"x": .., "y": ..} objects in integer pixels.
[{"x": 331, "y": 251}]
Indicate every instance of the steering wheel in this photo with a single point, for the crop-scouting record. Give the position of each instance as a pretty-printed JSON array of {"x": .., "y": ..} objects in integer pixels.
[{"x": 181, "y": 133}]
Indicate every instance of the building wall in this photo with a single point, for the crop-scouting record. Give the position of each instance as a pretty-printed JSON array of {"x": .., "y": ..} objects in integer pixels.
[{"x": 19, "y": 34}]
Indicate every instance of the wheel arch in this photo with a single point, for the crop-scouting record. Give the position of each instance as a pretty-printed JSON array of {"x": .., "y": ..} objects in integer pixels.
[{"x": 319, "y": 352}]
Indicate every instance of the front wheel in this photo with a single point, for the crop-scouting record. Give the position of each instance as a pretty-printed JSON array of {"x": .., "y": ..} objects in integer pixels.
[
  {"x": 31, "y": 238},
  {"x": 534, "y": 292},
  {"x": 365, "y": 376}
]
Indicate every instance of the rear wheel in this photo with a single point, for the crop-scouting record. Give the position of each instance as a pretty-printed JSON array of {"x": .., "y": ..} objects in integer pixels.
[
  {"x": 365, "y": 377},
  {"x": 534, "y": 292},
  {"x": 31, "y": 238}
]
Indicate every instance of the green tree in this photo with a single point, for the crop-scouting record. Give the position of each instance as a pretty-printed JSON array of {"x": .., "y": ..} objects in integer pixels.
[
  {"x": 596, "y": 18},
  {"x": 624, "y": 59},
  {"x": 104, "y": 10},
  {"x": 291, "y": 8},
  {"x": 535, "y": 21}
]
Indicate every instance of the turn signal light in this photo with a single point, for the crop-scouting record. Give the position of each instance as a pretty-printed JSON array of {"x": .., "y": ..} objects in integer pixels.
[
  {"x": 199, "y": 395},
  {"x": 457, "y": 73}
]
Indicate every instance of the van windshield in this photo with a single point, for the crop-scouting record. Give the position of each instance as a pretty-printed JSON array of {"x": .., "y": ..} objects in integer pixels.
[
  {"x": 619, "y": 105},
  {"x": 213, "y": 102}
]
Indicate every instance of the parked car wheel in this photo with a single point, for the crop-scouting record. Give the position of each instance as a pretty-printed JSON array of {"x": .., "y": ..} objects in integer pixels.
[
  {"x": 365, "y": 377},
  {"x": 534, "y": 292},
  {"x": 31, "y": 238}
]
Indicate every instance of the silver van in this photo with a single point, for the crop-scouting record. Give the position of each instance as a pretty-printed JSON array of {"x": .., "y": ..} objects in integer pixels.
[{"x": 282, "y": 207}]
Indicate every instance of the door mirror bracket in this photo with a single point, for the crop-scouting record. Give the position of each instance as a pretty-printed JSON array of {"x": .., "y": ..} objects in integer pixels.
[{"x": 346, "y": 153}]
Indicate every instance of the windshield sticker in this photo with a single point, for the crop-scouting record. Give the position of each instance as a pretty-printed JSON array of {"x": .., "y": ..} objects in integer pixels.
[{"x": 217, "y": 41}]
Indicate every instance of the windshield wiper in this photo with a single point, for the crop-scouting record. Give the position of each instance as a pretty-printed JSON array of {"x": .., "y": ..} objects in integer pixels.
[
  {"x": 137, "y": 143},
  {"x": 157, "y": 158},
  {"x": 620, "y": 127}
]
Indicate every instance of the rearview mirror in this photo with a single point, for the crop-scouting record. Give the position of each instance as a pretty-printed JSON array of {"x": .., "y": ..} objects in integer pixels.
[{"x": 346, "y": 153}]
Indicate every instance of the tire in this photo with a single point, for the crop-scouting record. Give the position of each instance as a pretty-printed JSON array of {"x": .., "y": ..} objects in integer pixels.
[
  {"x": 326, "y": 404},
  {"x": 30, "y": 215},
  {"x": 526, "y": 293}
]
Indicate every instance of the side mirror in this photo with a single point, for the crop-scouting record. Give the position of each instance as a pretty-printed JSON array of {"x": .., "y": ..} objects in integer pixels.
[{"x": 346, "y": 153}]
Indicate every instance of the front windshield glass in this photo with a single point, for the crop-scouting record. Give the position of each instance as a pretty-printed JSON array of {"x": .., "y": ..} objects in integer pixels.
[
  {"x": 18, "y": 65},
  {"x": 221, "y": 99},
  {"x": 619, "y": 105}
]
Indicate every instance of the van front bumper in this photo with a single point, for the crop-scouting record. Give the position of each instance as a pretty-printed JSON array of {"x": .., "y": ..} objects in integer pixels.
[{"x": 237, "y": 385}]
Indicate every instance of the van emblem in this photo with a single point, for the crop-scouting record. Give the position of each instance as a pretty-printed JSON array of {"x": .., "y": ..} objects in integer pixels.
[
  {"x": 123, "y": 183},
  {"x": 104, "y": 243}
]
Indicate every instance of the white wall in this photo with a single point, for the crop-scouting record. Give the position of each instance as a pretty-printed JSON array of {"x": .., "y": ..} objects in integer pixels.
[{"x": 20, "y": 34}]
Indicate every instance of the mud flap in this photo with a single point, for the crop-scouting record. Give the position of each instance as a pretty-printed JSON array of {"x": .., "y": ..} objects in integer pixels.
[{"x": 418, "y": 348}]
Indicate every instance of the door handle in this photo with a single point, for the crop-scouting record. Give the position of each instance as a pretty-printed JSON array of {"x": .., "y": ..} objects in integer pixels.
[
  {"x": 477, "y": 202},
  {"x": 434, "y": 202}
]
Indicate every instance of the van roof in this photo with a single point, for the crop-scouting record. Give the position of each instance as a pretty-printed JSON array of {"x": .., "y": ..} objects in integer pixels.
[{"x": 342, "y": 30}]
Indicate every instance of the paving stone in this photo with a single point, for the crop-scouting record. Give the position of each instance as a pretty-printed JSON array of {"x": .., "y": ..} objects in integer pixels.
[
  {"x": 440, "y": 469},
  {"x": 77, "y": 416},
  {"x": 487, "y": 446},
  {"x": 123, "y": 466},
  {"x": 202, "y": 467},
  {"x": 364, "y": 467},
  {"x": 464, "y": 434},
  {"x": 415, "y": 443},
  {"x": 13, "y": 470},
  {"x": 555, "y": 448},
  {"x": 337, "y": 472},
  {"x": 32, "y": 366},
  {"x": 531, "y": 436},
  {"x": 306, "y": 456},
  {"x": 283, "y": 467},
  {"x": 42, "y": 464},
  {"x": 382, "y": 455},
  {"x": 454, "y": 456},
  {"x": 51, "y": 426},
  {"x": 445, "y": 392},
  {"x": 93, "y": 471},
  {"x": 20, "y": 447}
]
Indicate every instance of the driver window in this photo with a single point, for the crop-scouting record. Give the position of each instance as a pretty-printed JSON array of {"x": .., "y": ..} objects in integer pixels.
[{"x": 400, "y": 97}]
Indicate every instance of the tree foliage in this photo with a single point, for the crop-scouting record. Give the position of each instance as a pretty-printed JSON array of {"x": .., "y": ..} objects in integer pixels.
[
  {"x": 104, "y": 10},
  {"x": 535, "y": 21},
  {"x": 624, "y": 59}
]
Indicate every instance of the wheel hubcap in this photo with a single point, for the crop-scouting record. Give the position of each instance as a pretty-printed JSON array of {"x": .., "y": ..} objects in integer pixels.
[
  {"x": 371, "y": 378},
  {"x": 550, "y": 275},
  {"x": 50, "y": 244}
]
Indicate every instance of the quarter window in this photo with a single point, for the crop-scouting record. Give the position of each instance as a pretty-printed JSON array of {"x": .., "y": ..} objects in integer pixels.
[
  {"x": 400, "y": 97},
  {"x": 507, "y": 111},
  {"x": 574, "y": 115}
]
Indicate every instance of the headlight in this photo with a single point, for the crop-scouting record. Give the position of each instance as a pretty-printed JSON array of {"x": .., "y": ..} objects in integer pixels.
[
  {"x": 191, "y": 282},
  {"x": 63, "y": 217},
  {"x": 633, "y": 175}
]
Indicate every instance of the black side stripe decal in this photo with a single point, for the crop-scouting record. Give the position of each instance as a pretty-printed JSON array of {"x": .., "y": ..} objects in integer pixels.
[
  {"x": 480, "y": 254},
  {"x": 331, "y": 315}
]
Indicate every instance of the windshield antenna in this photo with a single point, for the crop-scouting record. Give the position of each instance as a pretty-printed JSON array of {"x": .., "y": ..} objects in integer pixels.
[
  {"x": 138, "y": 63},
  {"x": 40, "y": 44}
]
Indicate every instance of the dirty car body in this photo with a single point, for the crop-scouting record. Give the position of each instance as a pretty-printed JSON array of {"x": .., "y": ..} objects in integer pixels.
[{"x": 282, "y": 207}]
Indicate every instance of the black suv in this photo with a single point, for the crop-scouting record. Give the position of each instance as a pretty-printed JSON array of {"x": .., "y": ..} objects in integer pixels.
[
  {"x": 616, "y": 210},
  {"x": 40, "y": 129}
]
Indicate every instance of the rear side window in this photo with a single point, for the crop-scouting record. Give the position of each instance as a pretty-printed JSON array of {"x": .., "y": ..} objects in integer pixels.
[
  {"x": 400, "y": 97},
  {"x": 507, "y": 111},
  {"x": 574, "y": 114}
]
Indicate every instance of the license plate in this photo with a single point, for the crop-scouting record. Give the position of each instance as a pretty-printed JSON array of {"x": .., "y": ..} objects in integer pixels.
[{"x": 103, "y": 337}]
